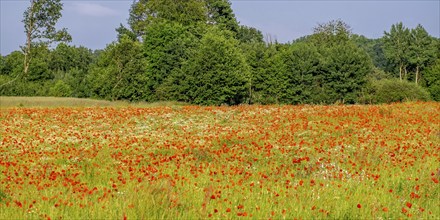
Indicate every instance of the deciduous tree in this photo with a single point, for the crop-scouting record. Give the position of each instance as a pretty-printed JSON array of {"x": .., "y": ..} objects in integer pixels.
[
  {"x": 221, "y": 14},
  {"x": 39, "y": 21},
  {"x": 432, "y": 78},
  {"x": 118, "y": 73},
  {"x": 186, "y": 12},
  {"x": 218, "y": 71},
  {"x": 396, "y": 47},
  {"x": 422, "y": 50}
]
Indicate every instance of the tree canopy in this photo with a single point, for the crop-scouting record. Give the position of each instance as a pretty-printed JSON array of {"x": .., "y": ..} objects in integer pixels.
[{"x": 196, "y": 51}]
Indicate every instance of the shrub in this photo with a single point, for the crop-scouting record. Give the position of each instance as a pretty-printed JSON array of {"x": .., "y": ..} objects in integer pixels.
[
  {"x": 18, "y": 87},
  {"x": 60, "y": 89},
  {"x": 393, "y": 90}
]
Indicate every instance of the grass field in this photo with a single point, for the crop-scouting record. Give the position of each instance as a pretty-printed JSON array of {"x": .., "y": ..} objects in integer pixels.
[
  {"x": 189, "y": 162},
  {"x": 53, "y": 102}
]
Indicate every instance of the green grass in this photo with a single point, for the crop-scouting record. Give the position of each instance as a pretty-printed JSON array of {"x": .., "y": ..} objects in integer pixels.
[{"x": 54, "y": 102}]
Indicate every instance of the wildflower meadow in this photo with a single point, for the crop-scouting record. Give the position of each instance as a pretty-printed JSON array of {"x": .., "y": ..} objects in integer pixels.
[{"x": 192, "y": 162}]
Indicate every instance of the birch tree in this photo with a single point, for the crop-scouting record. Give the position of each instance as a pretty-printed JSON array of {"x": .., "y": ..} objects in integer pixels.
[{"x": 39, "y": 21}]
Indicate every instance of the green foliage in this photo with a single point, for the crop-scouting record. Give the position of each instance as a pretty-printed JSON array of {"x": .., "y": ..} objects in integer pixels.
[
  {"x": 60, "y": 89},
  {"x": 39, "y": 22},
  {"x": 374, "y": 48},
  {"x": 2, "y": 64},
  {"x": 185, "y": 12},
  {"x": 344, "y": 71},
  {"x": 21, "y": 87},
  {"x": 122, "y": 30},
  {"x": 168, "y": 46},
  {"x": 217, "y": 72},
  {"x": 340, "y": 72},
  {"x": 77, "y": 81},
  {"x": 40, "y": 19},
  {"x": 39, "y": 69},
  {"x": 65, "y": 58},
  {"x": 71, "y": 64},
  {"x": 195, "y": 51},
  {"x": 396, "y": 47},
  {"x": 249, "y": 35},
  {"x": 335, "y": 29},
  {"x": 393, "y": 90},
  {"x": 326, "y": 67},
  {"x": 145, "y": 12},
  {"x": 221, "y": 14},
  {"x": 265, "y": 66},
  {"x": 300, "y": 82},
  {"x": 137, "y": 19},
  {"x": 119, "y": 72},
  {"x": 13, "y": 64},
  {"x": 422, "y": 51},
  {"x": 432, "y": 78}
]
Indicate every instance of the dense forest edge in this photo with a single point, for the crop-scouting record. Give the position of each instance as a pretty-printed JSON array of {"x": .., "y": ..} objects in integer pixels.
[{"x": 195, "y": 51}]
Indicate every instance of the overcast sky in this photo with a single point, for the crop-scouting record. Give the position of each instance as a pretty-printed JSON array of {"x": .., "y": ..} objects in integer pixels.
[{"x": 92, "y": 23}]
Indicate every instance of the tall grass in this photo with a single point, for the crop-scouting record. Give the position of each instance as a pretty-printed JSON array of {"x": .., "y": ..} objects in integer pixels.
[
  {"x": 53, "y": 102},
  {"x": 280, "y": 162}
]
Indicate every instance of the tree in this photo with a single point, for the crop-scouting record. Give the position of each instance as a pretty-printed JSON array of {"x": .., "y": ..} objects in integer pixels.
[
  {"x": 39, "y": 73},
  {"x": 268, "y": 72},
  {"x": 64, "y": 58},
  {"x": 396, "y": 47},
  {"x": 60, "y": 89},
  {"x": 332, "y": 29},
  {"x": 122, "y": 30},
  {"x": 432, "y": 78},
  {"x": 39, "y": 69},
  {"x": 186, "y": 12},
  {"x": 12, "y": 64},
  {"x": 71, "y": 64},
  {"x": 374, "y": 49},
  {"x": 264, "y": 62},
  {"x": 341, "y": 71},
  {"x": 39, "y": 21},
  {"x": 344, "y": 68},
  {"x": 167, "y": 46},
  {"x": 249, "y": 35},
  {"x": 118, "y": 73},
  {"x": 220, "y": 13},
  {"x": 217, "y": 71},
  {"x": 301, "y": 80},
  {"x": 422, "y": 50},
  {"x": 137, "y": 19}
]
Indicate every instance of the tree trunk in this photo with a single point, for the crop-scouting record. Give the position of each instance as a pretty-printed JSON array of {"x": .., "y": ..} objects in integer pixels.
[
  {"x": 27, "y": 52},
  {"x": 250, "y": 92},
  {"x": 405, "y": 73},
  {"x": 400, "y": 71},
  {"x": 417, "y": 75}
]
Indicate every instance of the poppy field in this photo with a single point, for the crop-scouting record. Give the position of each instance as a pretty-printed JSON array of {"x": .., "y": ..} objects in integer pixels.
[{"x": 191, "y": 162}]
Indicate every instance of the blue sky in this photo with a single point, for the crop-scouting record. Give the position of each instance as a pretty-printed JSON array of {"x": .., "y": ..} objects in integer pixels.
[{"x": 92, "y": 23}]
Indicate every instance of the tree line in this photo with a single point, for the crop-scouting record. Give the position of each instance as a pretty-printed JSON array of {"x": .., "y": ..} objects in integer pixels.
[{"x": 195, "y": 51}]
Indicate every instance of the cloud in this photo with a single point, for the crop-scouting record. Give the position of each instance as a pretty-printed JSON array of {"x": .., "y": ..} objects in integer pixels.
[{"x": 94, "y": 9}]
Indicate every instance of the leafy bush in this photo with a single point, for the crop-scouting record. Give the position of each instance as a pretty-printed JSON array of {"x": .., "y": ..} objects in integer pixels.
[
  {"x": 60, "y": 89},
  {"x": 11, "y": 86},
  {"x": 432, "y": 78},
  {"x": 392, "y": 90}
]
